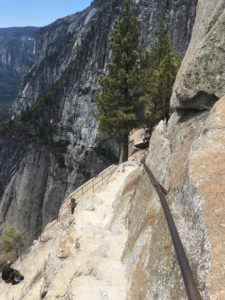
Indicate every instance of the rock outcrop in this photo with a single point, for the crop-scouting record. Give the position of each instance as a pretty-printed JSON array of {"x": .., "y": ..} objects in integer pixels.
[
  {"x": 200, "y": 81},
  {"x": 187, "y": 157}
]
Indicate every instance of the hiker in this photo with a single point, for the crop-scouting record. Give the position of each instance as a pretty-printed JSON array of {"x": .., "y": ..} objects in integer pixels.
[
  {"x": 73, "y": 205},
  {"x": 10, "y": 275}
]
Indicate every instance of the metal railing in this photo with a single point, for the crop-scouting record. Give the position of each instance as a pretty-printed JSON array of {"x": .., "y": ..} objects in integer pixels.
[
  {"x": 88, "y": 188},
  {"x": 188, "y": 278},
  {"x": 93, "y": 185}
]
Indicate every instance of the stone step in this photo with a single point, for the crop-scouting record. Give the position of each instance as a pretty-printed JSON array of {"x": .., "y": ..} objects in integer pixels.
[{"x": 89, "y": 287}]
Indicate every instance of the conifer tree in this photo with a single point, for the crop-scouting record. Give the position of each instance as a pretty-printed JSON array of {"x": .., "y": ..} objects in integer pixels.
[
  {"x": 160, "y": 67},
  {"x": 118, "y": 105}
]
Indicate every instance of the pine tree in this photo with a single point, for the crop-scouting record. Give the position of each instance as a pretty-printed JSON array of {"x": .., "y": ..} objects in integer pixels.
[
  {"x": 160, "y": 67},
  {"x": 118, "y": 105}
]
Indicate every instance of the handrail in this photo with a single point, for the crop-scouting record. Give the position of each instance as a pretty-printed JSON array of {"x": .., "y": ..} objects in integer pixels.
[
  {"x": 82, "y": 187},
  {"x": 103, "y": 175},
  {"x": 189, "y": 281}
]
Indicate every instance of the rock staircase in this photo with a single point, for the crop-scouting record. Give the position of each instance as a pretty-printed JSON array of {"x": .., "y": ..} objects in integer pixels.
[{"x": 80, "y": 258}]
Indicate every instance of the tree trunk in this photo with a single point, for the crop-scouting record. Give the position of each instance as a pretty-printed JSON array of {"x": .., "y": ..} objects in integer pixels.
[{"x": 125, "y": 149}]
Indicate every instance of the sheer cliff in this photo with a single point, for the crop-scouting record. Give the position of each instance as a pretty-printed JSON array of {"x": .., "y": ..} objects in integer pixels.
[
  {"x": 187, "y": 157},
  {"x": 16, "y": 56},
  {"x": 55, "y": 147},
  {"x": 117, "y": 245}
]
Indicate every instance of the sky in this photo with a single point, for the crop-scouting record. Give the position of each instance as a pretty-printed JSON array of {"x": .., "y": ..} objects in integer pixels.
[{"x": 18, "y": 13}]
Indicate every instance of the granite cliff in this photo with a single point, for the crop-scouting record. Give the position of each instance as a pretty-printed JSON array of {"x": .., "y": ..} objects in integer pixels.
[
  {"x": 118, "y": 245},
  {"x": 16, "y": 56},
  {"x": 187, "y": 157},
  {"x": 55, "y": 147}
]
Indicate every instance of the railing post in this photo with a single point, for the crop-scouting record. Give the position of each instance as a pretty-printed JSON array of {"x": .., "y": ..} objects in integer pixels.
[
  {"x": 108, "y": 179},
  {"x": 93, "y": 188},
  {"x": 41, "y": 234},
  {"x": 82, "y": 191}
]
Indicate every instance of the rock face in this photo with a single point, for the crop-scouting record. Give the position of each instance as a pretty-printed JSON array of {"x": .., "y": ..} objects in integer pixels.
[
  {"x": 16, "y": 56},
  {"x": 32, "y": 185},
  {"x": 58, "y": 147},
  {"x": 179, "y": 16},
  {"x": 80, "y": 42},
  {"x": 202, "y": 74},
  {"x": 17, "y": 47},
  {"x": 155, "y": 268},
  {"x": 186, "y": 157}
]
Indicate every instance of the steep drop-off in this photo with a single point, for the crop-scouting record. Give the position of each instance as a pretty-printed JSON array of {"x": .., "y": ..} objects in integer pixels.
[
  {"x": 187, "y": 157},
  {"x": 57, "y": 146}
]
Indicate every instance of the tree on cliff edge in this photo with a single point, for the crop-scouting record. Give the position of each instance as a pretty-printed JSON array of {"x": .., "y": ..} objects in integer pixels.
[
  {"x": 159, "y": 67},
  {"x": 118, "y": 105}
]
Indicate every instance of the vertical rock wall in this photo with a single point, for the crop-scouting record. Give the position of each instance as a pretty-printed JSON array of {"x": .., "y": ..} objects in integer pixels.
[
  {"x": 200, "y": 80},
  {"x": 32, "y": 186},
  {"x": 187, "y": 157}
]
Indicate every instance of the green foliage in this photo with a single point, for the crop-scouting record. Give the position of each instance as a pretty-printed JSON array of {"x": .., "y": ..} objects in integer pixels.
[
  {"x": 160, "y": 67},
  {"x": 43, "y": 103},
  {"x": 136, "y": 90},
  {"x": 59, "y": 149},
  {"x": 9, "y": 126},
  {"x": 43, "y": 113},
  {"x": 118, "y": 104},
  {"x": 11, "y": 239},
  {"x": 38, "y": 115}
]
